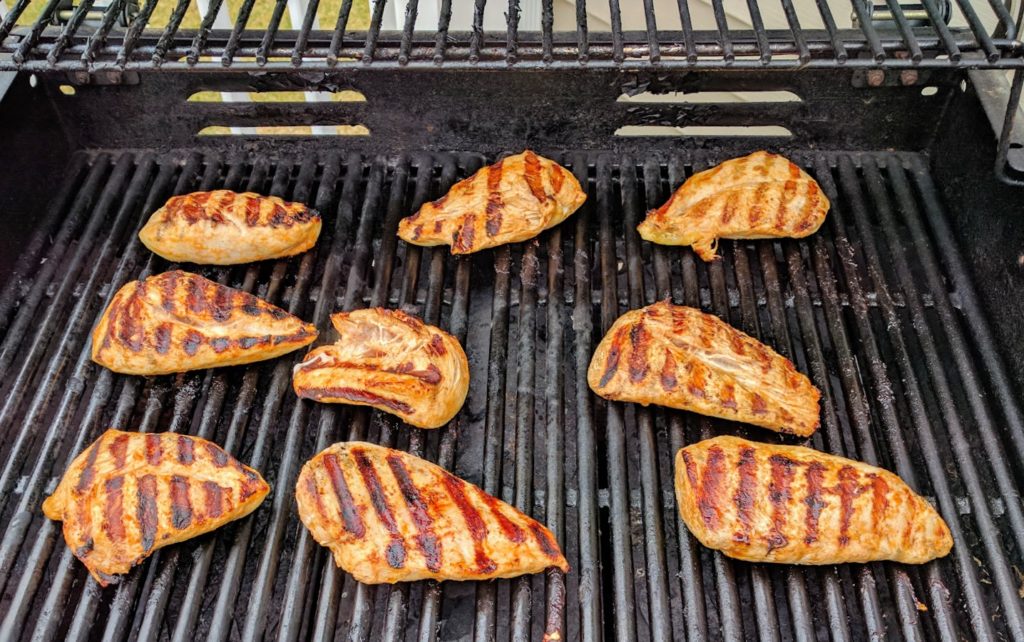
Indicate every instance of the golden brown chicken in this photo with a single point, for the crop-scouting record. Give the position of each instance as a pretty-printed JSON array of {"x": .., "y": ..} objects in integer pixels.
[
  {"x": 178, "y": 321},
  {"x": 771, "y": 503},
  {"x": 224, "y": 228},
  {"x": 131, "y": 493},
  {"x": 512, "y": 200},
  {"x": 679, "y": 357},
  {"x": 390, "y": 517},
  {"x": 755, "y": 197},
  {"x": 391, "y": 361}
]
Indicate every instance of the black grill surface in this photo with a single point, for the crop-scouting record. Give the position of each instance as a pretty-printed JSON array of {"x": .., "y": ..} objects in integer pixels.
[{"x": 877, "y": 308}]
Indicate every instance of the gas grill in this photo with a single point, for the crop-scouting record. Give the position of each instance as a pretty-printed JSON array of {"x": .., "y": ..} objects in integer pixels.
[{"x": 904, "y": 309}]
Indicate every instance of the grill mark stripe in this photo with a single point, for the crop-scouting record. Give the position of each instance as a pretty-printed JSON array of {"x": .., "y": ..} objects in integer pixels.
[
  {"x": 252, "y": 211},
  {"x": 221, "y": 308},
  {"x": 810, "y": 208},
  {"x": 131, "y": 333},
  {"x": 711, "y": 484},
  {"x": 783, "y": 470},
  {"x": 349, "y": 513},
  {"x": 426, "y": 539},
  {"x": 755, "y": 209},
  {"x": 508, "y": 527},
  {"x": 847, "y": 489},
  {"x": 495, "y": 206},
  {"x": 780, "y": 213},
  {"x": 396, "y": 550},
  {"x": 477, "y": 528},
  {"x": 162, "y": 338},
  {"x": 532, "y": 175},
  {"x": 815, "y": 486},
  {"x": 113, "y": 522},
  {"x": 464, "y": 236},
  {"x": 213, "y": 499},
  {"x": 191, "y": 341},
  {"x": 181, "y": 503},
  {"x": 614, "y": 353},
  {"x": 314, "y": 493},
  {"x": 879, "y": 497},
  {"x": 217, "y": 455},
  {"x": 668, "y": 372},
  {"x": 745, "y": 493},
  {"x": 356, "y": 395},
  {"x": 557, "y": 175},
  {"x": 186, "y": 450},
  {"x": 169, "y": 289},
  {"x": 638, "y": 340},
  {"x": 89, "y": 471},
  {"x": 146, "y": 511},
  {"x": 119, "y": 450},
  {"x": 544, "y": 540},
  {"x": 154, "y": 448}
]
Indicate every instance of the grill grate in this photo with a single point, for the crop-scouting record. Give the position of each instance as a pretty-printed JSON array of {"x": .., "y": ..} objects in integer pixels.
[
  {"x": 876, "y": 308},
  {"x": 895, "y": 43}
]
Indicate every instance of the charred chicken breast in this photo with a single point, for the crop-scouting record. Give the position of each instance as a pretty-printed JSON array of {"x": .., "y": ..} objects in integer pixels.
[
  {"x": 755, "y": 197},
  {"x": 178, "y": 321},
  {"x": 390, "y": 517},
  {"x": 391, "y": 361},
  {"x": 225, "y": 228},
  {"x": 770, "y": 503},
  {"x": 512, "y": 200},
  {"x": 131, "y": 493},
  {"x": 679, "y": 357}
]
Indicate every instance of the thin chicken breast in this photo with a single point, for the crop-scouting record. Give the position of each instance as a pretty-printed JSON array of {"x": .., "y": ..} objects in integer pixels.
[
  {"x": 391, "y": 361},
  {"x": 390, "y": 517},
  {"x": 755, "y": 197},
  {"x": 675, "y": 356},
  {"x": 131, "y": 493},
  {"x": 510, "y": 201},
  {"x": 770, "y": 503},
  {"x": 225, "y": 228},
  {"x": 178, "y": 321}
]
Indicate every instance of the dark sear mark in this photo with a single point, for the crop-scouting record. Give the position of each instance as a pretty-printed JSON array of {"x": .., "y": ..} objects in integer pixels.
[
  {"x": 464, "y": 236},
  {"x": 195, "y": 296},
  {"x": 314, "y": 494},
  {"x": 213, "y": 499},
  {"x": 356, "y": 395},
  {"x": 533, "y": 178},
  {"x": 131, "y": 333},
  {"x": 495, "y": 207},
  {"x": 191, "y": 341},
  {"x": 221, "y": 308},
  {"x": 217, "y": 456},
  {"x": 508, "y": 527},
  {"x": 252, "y": 211},
  {"x": 113, "y": 522},
  {"x": 436, "y": 346},
  {"x": 557, "y": 175},
  {"x": 162, "y": 338},
  {"x": 745, "y": 494},
  {"x": 668, "y": 372},
  {"x": 783, "y": 470},
  {"x": 848, "y": 489},
  {"x": 220, "y": 344},
  {"x": 83, "y": 551},
  {"x": 814, "y": 502},
  {"x": 614, "y": 354},
  {"x": 426, "y": 539},
  {"x": 476, "y": 525},
  {"x": 181, "y": 503},
  {"x": 638, "y": 340},
  {"x": 349, "y": 513},
  {"x": 89, "y": 470},
  {"x": 546, "y": 545},
  {"x": 119, "y": 450},
  {"x": 879, "y": 497},
  {"x": 251, "y": 307},
  {"x": 711, "y": 484},
  {"x": 757, "y": 404},
  {"x": 186, "y": 450},
  {"x": 396, "y": 550},
  {"x": 154, "y": 448},
  {"x": 168, "y": 289}
]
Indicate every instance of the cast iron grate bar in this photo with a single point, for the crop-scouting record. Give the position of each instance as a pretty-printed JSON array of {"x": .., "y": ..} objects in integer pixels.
[
  {"x": 529, "y": 318},
  {"x": 42, "y": 46}
]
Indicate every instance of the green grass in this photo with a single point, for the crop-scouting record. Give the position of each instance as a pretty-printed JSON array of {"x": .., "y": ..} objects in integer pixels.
[{"x": 327, "y": 13}]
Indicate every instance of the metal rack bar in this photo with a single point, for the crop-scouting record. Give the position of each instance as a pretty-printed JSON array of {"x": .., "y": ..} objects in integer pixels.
[
  {"x": 723, "y": 30},
  {"x": 512, "y": 41},
  {"x": 476, "y": 39},
  {"x": 582, "y": 44},
  {"x": 411, "y": 10},
  {"x": 547, "y": 26},
  {"x": 762, "y": 37},
  {"x": 337, "y": 40},
  {"x": 615, "y": 14},
  {"x": 131, "y": 37},
  {"x": 199, "y": 40},
  {"x": 868, "y": 29},
  {"x": 803, "y": 52},
  {"x": 98, "y": 38},
  {"x": 686, "y": 22},
  {"x": 270, "y": 34},
  {"x": 302, "y": 39},
  {"x": 652, "y": 31},
  {"x": 64, "y": 39},
  {"x": 167, "y": 37},
  {"x": 945, "y": 35},
  {"x": 11, "y": 18},
  {"x": 374, "y": 31},
  {"x": 978, "y": 28},
  {"x": 905, "y": 30}
]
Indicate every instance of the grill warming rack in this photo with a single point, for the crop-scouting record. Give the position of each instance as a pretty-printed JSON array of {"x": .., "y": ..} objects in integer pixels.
[{"x": 877, "y": 308}]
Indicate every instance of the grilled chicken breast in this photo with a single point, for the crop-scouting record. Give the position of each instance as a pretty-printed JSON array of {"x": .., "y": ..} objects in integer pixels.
[
  {"x": 177, "y": 321},
  {"x": 130, "y": 493},
  {"x": 224, "y": 228},
  {"x": 755, "y": 197},
  {"x": 771, "y": 503},
  {"x": 510, "y": 201},
  {"x": 390, "y": 517},
  {"x": 391, "y": 361},
  {"x": 679, "y": 357}
]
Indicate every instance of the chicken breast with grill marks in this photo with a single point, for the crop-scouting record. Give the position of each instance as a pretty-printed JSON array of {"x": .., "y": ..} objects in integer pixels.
[
  {"x": 391, "y": 361},
  {"x": 771, "y": 503},
  {"x": 130, "y": 493},
  {"x": 178, "y": 321},
  {"x": 226, "y": 228},
  {"x": 390, "y": 517},
  {"x": 510, "y": 201},
  {"x": 680, "y": 357},
  {"x": 755, "y": 197}
]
